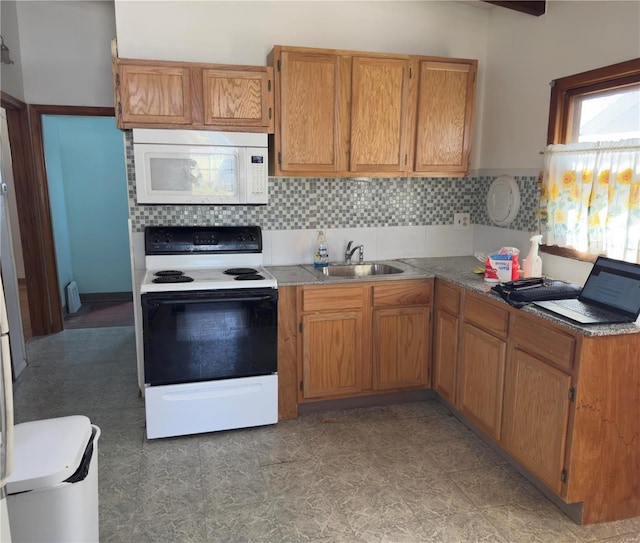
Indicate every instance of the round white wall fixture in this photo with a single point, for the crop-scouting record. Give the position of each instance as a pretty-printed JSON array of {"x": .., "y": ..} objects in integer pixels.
[{"x": 503, "y": 200}]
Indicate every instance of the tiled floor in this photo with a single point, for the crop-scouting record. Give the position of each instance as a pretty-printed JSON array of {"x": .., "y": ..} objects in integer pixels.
[{"x": 400, "y": 473}]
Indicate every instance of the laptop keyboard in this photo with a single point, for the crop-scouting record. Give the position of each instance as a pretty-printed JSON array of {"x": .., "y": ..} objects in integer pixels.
[{"x": 589, "y": 311}]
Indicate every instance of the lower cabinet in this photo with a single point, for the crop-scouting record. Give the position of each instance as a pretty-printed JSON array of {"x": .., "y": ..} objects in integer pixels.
[
  {"x": 364, "y": 339},
  {"x": 537, "y": 417},
  {"x": 482, "y": 362},
  {"x": 482, "y": 367},
  {"x": 332, "y": 354},
  {"x": 400, "y": 347},
  {"x": 445, "y": 342},
  {"x": 562, "y": 402}
]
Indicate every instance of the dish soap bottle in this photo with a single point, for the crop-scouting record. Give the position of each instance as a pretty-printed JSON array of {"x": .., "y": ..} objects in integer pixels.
[
  {"x": 533, "y": 263},
  {"x": 321, "y": 256}
]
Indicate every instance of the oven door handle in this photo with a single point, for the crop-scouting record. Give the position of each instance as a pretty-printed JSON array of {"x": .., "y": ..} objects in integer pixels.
[{"x": 209, "y": 299}]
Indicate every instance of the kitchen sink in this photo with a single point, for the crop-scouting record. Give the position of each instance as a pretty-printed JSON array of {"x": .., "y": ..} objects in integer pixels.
[{"x": 358, "y": 270}]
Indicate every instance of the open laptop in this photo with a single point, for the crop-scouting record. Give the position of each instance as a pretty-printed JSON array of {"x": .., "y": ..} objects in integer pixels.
[{"x": 610, "y": 295}]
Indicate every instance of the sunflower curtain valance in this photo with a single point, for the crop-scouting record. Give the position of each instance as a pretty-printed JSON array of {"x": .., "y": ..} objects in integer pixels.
[{"x": 590, "y": 198}]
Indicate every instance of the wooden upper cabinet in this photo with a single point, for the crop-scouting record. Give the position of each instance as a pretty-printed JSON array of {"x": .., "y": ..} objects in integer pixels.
[
  {"x": 312, "y": 98},
  {"x": 380, "y": 115},
  {"x": 345, "y": 113},
  {"x": 446, "y": 99},
  {"x": 158, "y": 94},
  {"x": 237, "y": 98},
  {"x": 154, "y": 94}
]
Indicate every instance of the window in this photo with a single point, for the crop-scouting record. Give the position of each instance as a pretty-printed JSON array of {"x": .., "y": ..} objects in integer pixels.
[
  {"x": 571, "y": 95},
  {"x": 590, "y": 186}
]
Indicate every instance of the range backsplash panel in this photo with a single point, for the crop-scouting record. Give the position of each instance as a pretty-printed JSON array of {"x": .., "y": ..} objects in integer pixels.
[{"x": 312, "y": 203}]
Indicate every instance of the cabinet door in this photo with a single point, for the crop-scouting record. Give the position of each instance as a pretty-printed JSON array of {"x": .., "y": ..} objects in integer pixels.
[
  {"x": 237, "y": 98},
  {"x": 380, "y": 122},
  {"x": 155, "y": 94},
  {"x": 446, "y": 97},
  {"x": 445, "y": 357},
  {"x": 536, "y": 416},
  {"x": 481, "y": 390},
  {"x": 332, "y": 345},
  {"x": 313, "y": 116},
  {"x": 445, "y": 352},
  {"x": 401, "y": 347}
]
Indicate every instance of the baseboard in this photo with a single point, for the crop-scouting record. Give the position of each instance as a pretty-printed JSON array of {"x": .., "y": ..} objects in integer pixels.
[
  {"x": 366, "y": 401},
  {"x": 106, "y": 297}
]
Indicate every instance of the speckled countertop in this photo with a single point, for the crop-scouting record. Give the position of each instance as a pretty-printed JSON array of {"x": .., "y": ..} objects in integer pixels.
[{"x": 457, "y": 270}]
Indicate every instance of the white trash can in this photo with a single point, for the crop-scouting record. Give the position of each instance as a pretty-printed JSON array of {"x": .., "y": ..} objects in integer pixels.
[{"x": 53, "y": 490}]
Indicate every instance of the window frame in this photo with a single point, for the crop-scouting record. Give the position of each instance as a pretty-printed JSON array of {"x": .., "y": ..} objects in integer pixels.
[{"x": 563, "y": 91}]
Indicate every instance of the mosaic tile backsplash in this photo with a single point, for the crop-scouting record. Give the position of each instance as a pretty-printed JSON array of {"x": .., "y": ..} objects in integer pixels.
[{"x": 313, "y": 203}]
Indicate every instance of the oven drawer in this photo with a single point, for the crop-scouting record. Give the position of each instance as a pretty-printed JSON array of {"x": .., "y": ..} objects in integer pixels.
[{"x": 176, "y": 410}]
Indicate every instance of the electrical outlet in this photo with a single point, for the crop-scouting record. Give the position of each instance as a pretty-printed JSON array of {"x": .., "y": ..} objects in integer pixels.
[{"x": 461, "y": 221}]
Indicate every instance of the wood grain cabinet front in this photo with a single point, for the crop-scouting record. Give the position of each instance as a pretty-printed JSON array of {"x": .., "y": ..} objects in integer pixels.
[
  {"x": 401, "y": 335},
  {"x": 482, "y": 363},
  {"x": 312, "y": 111},
  {"x": 372, "y": 114},
  {"x": 562, "y": 403},
  {"x": 364, "y": 339},
  {"x": 159, "y": 94},
  {"x": 381, "y": 115},
  {"x": 152, "y": 94},
  {"x": 538, "y": 398},
  {"x": 445, "y": 343},
  {"x": 446, "y": 99}
]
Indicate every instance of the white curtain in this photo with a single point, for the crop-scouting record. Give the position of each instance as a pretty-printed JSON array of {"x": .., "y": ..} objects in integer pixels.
[{"x": 590, "y": 198}]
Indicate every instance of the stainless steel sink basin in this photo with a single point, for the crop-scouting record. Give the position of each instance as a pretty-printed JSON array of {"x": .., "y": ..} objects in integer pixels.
[{"x": 358, "y": 270}]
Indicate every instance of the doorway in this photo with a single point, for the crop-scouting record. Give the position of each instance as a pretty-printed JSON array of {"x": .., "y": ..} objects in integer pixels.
[
  {"x": 93, "y": 186},
  {"x": 87, "y": 189}
]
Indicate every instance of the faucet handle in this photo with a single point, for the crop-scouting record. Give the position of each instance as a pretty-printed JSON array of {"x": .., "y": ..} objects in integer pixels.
[
  {"x": 348, "y": 246},
  {"x": 361, "y": 254}
]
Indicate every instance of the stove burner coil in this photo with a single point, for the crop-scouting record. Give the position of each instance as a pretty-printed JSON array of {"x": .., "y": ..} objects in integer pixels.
[
  {"x": 241, "y": 271},
  {"x": 249, "y": 277},
  {"x": 173, "y": 279},
  {"x": 168, "y": 273}
]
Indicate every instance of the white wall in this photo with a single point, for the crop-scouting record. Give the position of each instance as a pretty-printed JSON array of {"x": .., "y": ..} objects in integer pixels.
[
  {"x": 245, "y": 32},
  {"x": 11, "y": 74},
  {"x": 526, "y": 53},
  {"x": 66, "y": 52}
]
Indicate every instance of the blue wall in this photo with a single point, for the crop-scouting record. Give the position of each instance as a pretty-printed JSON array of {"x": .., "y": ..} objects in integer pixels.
[{"x": 88, "y": 197}]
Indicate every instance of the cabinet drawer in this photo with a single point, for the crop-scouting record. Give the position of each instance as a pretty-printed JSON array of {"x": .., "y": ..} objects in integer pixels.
[
  {"x": 448, "y": 297},
  {"x": 485, "y": 315},
  {"x": 549, "y": 344},
  {"x": 401, "y": 294},
  {"x": 328, "y": 298}
]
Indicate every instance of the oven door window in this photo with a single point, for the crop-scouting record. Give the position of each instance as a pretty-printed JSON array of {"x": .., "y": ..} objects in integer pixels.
[{"x": 196, "y": 336}]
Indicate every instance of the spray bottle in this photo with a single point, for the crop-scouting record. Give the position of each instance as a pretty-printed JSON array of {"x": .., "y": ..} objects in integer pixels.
[{"x": 533, "y": 263}]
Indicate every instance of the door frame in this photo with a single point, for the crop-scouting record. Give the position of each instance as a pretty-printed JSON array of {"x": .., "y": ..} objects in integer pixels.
[
  {"x": 34, "y": 212},
  {"x": 50, "y": 271},
  {"x": 29, "y": 217}
]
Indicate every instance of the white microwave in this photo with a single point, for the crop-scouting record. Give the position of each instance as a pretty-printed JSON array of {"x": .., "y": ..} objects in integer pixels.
[{"x": 200, "y": 167}]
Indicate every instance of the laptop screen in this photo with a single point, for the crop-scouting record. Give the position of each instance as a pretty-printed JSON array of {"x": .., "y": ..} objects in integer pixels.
[{"x": 614, "y": 284}]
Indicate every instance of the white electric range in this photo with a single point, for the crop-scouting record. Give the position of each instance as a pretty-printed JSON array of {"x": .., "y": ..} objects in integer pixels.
[{"x": 209, "y": 312}]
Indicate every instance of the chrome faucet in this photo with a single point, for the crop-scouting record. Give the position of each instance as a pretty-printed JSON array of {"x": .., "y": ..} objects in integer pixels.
[{"x": 349, "y": 253}]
